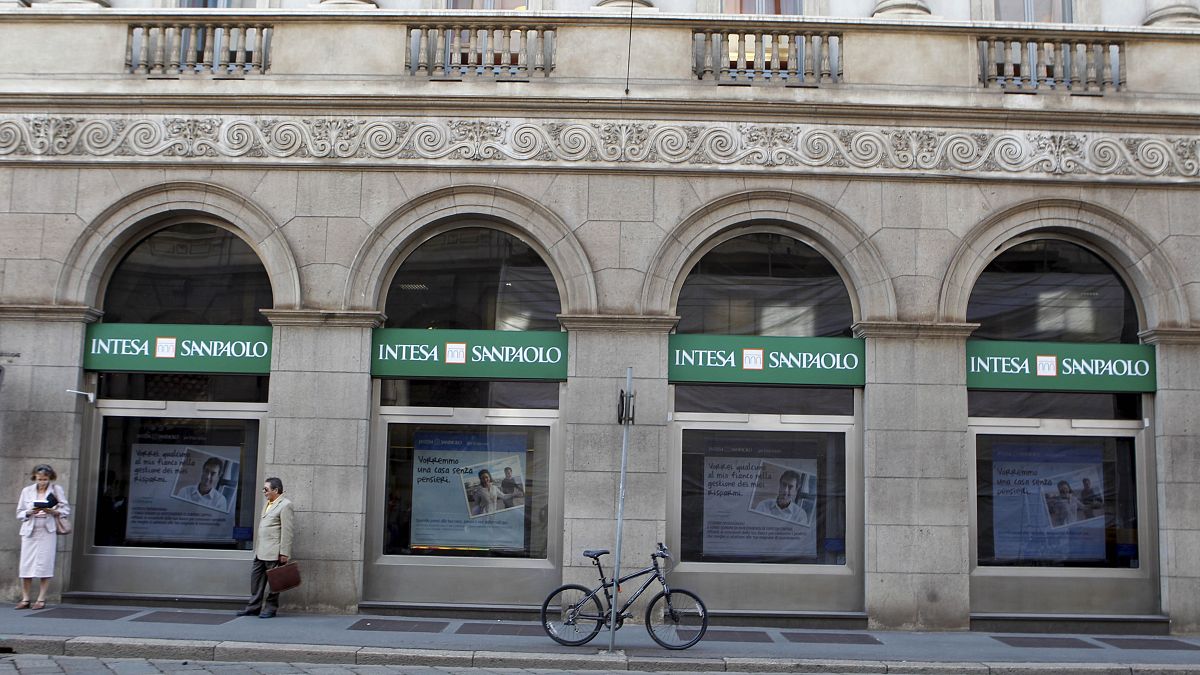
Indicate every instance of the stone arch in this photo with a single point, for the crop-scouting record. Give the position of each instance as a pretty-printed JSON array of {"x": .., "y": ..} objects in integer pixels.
[
  {"x": 1139, "y": 261},
  {"x": 92, "y": 259},
  {"x": 429, "y": 215},
  {"x": 804, "y": 218}
]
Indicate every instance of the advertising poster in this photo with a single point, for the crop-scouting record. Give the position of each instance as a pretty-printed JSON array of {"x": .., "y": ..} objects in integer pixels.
[
  {"x": 183, "y": 493},
  {"x": 1048, "y": 503},
  {"x": 469, "y": 490},
  {"x": 762, "y": 508}
]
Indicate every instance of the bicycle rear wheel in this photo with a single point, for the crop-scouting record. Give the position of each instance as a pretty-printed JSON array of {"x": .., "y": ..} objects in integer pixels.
[
  {"x": 572, "y": 615},
  {"x": 676, "y": 619}
]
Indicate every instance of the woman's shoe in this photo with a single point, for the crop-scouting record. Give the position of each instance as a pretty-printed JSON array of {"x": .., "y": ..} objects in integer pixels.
[
  {"x": 39, "y": 605},
  {"x": 24, "y": 604}
]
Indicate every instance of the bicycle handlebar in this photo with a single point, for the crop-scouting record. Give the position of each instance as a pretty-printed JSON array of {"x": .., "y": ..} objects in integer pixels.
[{"x": 662, "y": 552}]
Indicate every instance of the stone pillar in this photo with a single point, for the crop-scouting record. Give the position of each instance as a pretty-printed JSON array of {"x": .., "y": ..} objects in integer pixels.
[
  {"x": 1168, "y": 12},
  {"x": 601, "y": 348},
  {"x": 1177, "y": 454},
  {"x": 316, "y": 442},
  {"x": 915, "y": 471},
  {"x": 901, "y": 8},
  {"x": 41, "y": 351}
]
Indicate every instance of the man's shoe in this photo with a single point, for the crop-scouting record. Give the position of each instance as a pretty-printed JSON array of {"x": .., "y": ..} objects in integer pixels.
[
  {"x": 266, "y": 615},
  {"x": 247, "y": 612}
]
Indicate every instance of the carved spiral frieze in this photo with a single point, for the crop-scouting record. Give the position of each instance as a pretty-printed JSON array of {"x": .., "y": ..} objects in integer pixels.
[{"x": 785, "y": 147}]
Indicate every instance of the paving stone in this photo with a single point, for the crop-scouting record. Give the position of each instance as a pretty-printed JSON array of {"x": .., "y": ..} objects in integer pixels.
[
  {"x": 241, "y": 652},
  {"x": 34, "y": 644},
  {"x": 541, "y": 660}
]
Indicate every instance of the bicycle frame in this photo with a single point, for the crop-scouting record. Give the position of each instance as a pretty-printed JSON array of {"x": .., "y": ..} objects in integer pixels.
[{"x": 606, "y": 584}]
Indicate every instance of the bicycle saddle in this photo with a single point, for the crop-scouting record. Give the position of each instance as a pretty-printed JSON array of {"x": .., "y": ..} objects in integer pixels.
[{"x": 595, "y": 554}]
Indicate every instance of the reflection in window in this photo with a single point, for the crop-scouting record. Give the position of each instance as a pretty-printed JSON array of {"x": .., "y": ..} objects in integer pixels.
[
  {"x": 1052, "y": 290},
  {"x": 764, "y": 497},
  {"x": 466, "y": 490},
  {"x": 177, "y": 483},
  {"x": 474, "y": 278},
  {"x": 1062, "y": 501},
  {"x": 777, "y": 7},
  {"x": 764, "y": 284},
  {"x": 190, "y": 273},
  {"x": 1041, "y": 11}
]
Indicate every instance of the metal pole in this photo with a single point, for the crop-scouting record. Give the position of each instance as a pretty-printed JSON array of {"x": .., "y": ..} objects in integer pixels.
[{"x": 625, "y": 417}]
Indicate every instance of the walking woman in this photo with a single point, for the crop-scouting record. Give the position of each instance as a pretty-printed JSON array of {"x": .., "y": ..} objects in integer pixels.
[{"x": 40, "y": 505}]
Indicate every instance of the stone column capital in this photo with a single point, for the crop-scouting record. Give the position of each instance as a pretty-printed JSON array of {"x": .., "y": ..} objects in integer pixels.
[
  {"x": 320, "y": 317},
  {"x": 66, "y": 313},
  {"x": 618, "y": 323},
  {"x": 911, "y": 330},
  {"x": 1167, "y": 12},
  {"x": 1171, "y": 336},
  {"x": 901, "y": 8}
]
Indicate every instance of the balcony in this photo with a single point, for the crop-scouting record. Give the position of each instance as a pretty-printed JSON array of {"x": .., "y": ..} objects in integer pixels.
[{"x": 564, "y": 58}]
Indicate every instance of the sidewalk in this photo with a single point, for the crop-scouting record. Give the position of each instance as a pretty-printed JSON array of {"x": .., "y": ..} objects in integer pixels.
[{"x": 210, "y": 635}]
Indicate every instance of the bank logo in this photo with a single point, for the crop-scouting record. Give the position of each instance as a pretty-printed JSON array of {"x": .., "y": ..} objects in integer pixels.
[
  {"x": 1047, "y": 366},
  {"x": 752, "y": 359},
  {"x": 164, "y": 347},
  {"x": 456, "y": 352}
]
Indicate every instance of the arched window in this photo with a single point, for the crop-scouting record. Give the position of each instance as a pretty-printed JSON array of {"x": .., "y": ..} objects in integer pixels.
[
  {"x": 1052, "y": 290},
  {"x": 473, "y": 278},
  {"x": 195, "y": 279},
  {"x": 191, "y": 273},
  {"x": 764, "y": 284}
]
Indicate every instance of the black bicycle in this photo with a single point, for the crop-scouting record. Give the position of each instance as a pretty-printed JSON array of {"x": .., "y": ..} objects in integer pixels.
[{"x": 573, "y": 614}]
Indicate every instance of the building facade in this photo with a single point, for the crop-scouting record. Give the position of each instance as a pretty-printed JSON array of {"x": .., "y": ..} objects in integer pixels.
[{"x": 905, "y": 287}]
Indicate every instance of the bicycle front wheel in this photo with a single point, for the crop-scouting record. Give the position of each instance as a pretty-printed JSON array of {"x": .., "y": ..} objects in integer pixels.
[
  {"x": 572, "y": 615},
  {"x": 676, "y": 619}
]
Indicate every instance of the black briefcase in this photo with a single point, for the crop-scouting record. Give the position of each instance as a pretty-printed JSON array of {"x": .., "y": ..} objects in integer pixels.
[{"x": 284, "y": 577}]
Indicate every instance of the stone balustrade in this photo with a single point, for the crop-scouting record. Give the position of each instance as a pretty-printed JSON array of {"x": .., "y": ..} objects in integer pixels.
[
  {"x": 456, "y": 51},
  {"x": 793, "y": 57},
  {"x": 1036, "y": 64},
  {"x": 214, "y": 48}
]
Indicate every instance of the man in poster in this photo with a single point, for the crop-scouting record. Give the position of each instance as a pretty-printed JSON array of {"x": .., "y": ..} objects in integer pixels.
[
  {"x": 272, "y": 548},
  {"x": 205, "y": 492},
  {"x": 784, "y": 505}
]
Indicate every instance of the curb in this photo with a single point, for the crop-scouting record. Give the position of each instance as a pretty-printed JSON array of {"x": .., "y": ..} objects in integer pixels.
[{"x": 232, "y": 651}]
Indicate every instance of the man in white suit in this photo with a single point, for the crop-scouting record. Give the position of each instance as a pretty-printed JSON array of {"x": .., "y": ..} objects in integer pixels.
[{"x": 272, "y": 548}]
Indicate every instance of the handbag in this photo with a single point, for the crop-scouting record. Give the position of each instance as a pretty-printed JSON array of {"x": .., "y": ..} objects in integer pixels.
[
  {"x": 284, "y": 577},
  {"x": 62, "y": 525}
]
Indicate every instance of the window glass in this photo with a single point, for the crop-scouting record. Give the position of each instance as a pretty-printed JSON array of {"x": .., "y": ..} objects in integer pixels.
[
  {"x": 473, "y": 278},
  {"x": 764, "y": 284},
  {"x": 1056, "y": 501},
  {"x": 466, "y": 490},
  {"x": 764, "y": 497},
  {"x": 184, "y": 387},
  {"x": 1054, "y": 291},
  {"x": 177, "y": 483},
  {"x": 470, "y": 393},
  {"x": 724, "y": 398},
  {"x": 1042, "y": 11},
  {"x": 1054, "y": 405},
  {"x": 190, "y": 273},
  {"x": 487, "y": 4},
  {"x": 792, "y": 7}
]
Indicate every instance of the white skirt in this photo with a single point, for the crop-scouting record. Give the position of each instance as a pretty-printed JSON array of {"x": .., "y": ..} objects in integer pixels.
[{"x": 37, "y": 554}]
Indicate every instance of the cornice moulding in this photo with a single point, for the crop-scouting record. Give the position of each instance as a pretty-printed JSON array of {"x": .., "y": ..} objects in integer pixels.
[
  {"x": 316, "y": 317},
  {"x": 557, "y": 144},
  {"x": 913, "y": 330},
  {"x": 626, "y": 323},
  {"x": 63, "y": 313}
]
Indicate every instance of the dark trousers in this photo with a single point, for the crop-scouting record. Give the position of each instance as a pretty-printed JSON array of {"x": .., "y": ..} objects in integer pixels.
[{"x": 261, "y": 600}]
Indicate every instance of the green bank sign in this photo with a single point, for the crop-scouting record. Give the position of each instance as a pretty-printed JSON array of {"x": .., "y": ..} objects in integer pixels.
[
  {"x": 178, "y": 348},
  {"x": 474, "y": 354},
  {"x": 766, "y": 360},
  {"x": 1060, "y": 366}
]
